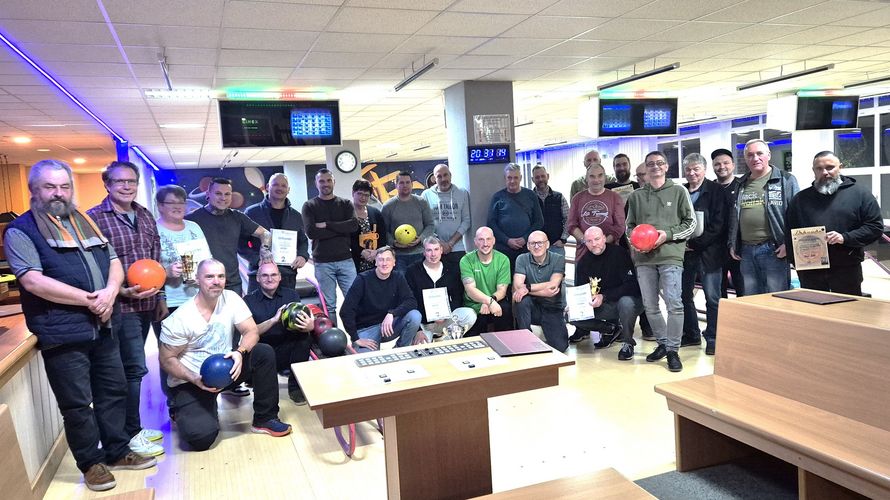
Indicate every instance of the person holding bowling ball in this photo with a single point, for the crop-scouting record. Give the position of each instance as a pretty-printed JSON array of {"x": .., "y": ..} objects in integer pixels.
[{"x": 203, "y": 326}]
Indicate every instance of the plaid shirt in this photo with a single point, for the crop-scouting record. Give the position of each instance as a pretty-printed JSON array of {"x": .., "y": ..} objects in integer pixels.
[{"x": 131, "y": 242}]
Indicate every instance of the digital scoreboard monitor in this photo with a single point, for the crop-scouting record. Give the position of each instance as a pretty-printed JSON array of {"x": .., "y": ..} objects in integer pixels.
[
  {"x": 269, "y": 124},
  {"x": 827, "y": 112},
  {"x": 637, "y": 117},
  {"x": 491, "y": 153}
]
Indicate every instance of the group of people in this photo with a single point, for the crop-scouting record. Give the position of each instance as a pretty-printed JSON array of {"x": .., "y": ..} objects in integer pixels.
[{"x": 92, "y": 325}]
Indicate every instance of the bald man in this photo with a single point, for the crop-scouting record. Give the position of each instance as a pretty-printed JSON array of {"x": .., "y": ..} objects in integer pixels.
[
  {"x": 485, "y": 273},
  {"x": 537, "y": 290}
]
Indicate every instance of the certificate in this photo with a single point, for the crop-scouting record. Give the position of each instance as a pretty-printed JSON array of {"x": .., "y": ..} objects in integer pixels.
[
  {"x": 810, "y": 248},
  {"x": 578, "y": 299},
  {"x": 435, "y": 304},
  {"x": 284, "y": 246},
  {"x": 197, "y": 249}
]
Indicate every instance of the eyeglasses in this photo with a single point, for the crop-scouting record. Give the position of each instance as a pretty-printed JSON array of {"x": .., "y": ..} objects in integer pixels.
[
  {"x": 536, "y": 244},
  {"x": 658, "y": 163},
  {"x": 173, "y": 203},
  {"x": 124, "y": 182},
  {"x": 362, "y": 194},
  {"x": 269, "y": 276}
]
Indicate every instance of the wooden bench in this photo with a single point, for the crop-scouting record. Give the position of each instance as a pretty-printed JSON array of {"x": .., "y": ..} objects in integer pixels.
[
  {"x": 802, "y": 382},
  {"x": 603, "y": 484}
]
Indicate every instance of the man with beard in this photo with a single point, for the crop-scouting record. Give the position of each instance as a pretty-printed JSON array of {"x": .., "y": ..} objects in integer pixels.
[
  {"x": 69, "y": 278},
  {"x": 622, "y": 185},
  {"x": 724, "y": 169},
  {"x": 852, "y": 220},
  {"x": 555, "y": 209}
]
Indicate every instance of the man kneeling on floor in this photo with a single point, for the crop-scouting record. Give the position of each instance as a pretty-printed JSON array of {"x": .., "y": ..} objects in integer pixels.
[
  {"x": 203, "y": 326},
  {"x": 380, "y": 307}
]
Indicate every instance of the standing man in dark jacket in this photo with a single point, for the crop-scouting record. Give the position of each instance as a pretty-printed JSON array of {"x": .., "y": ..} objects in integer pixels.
[
  {"x": 513, "y": 214},
  {"x": 555, "y": 210},
  {"x": 757, "y": 222},
  {"x": 704, "y": 251},
  {"x": 724, "y": 169},
  {"x": 852, "y": 220},
  {"x": 70, "y": 277},
  {"x": 276, "y": 213}
]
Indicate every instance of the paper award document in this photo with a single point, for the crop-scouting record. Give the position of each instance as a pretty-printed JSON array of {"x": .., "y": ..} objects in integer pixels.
[
  {"x": 810, "y": 248},
  {"x": 284, "y": 246},
  {"x": 435, "y": 304},
  {"x": 578, "y": 299}
]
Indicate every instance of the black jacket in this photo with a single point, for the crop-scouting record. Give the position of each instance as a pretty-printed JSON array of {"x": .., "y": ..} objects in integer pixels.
[
  {"x": 419, "y": 280},
  {"x": 615, "y": 270},
  {"x": 712, "y": 202},
  {"x": 851, "y": 210}
]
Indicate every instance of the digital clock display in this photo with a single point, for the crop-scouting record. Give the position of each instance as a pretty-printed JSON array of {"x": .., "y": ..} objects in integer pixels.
[{"x": 496, "y": 153}]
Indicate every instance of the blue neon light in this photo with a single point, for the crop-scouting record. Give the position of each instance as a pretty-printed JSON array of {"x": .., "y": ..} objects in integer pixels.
[{"x": 855, "y": 135}]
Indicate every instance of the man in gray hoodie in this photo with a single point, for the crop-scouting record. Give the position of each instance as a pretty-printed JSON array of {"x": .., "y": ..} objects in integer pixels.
[{"x": 451, "y": 214}]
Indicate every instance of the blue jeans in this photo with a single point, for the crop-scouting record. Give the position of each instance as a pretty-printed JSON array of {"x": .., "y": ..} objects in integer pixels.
[
  {"x": 404, "y": 327},
  {"x": 762, "y": 271},
  {"x": 559, "y": 250},
  {"x": 84, "y": 373},
  {"x": 711, "y": 282},
  {"x": 331, "y": 274},
  {"x": 666, "y": 279},
  {"x": 533, "y": 310},
  {"x": 132, "y": 332}
]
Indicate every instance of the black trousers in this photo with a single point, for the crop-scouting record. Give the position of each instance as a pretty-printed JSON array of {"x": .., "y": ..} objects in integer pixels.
[
  {"x": 289, "y": 349},
  {"x": 846, "y": 279},
  {"x": 501, "y": 323}
]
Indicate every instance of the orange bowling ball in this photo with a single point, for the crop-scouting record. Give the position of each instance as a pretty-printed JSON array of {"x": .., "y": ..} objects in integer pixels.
[{"x": 147, "y": 274}]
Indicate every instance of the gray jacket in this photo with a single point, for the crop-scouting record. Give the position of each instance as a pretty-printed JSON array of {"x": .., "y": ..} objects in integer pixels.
[{"x": 780, "y": 188}]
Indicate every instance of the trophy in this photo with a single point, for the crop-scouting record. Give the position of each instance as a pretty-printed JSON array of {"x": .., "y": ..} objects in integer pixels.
[
  {"x": 594, "y": 286},
  {"x": 188, "y": 267},
  {"x": 455, "y": 330}
]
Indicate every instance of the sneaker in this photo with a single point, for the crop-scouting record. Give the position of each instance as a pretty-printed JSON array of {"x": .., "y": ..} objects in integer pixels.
[
  {"x": 657, "y": 354},
  {"x": 274, "y": 428},
  {"x": 239, "y": 391},
  {"x": 673, "y": 360},
  {"x": 711, "y": 347},
  {"x": 690, "y": 340},
  {"x": 607, "y": 339},
  {"x": 626, "y": 353},
  {"x": 649, "y": 336},
  {"x": 152, "y": 434},
  {"x": 134, "y": 461},
  {"x": 145, "y": 447},
  {"x": 98, "y": 478},
  {"x": 297, "y": 397},
  {"x": 578, "y": 336}
]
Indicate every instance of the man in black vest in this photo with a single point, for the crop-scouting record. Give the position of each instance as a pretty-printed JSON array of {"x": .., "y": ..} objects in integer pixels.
[
  {"x": 70, "y": 277},
  {"x": 555, "y": 209}
]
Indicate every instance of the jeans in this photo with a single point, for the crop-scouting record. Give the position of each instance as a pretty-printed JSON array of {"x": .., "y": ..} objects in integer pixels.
[
  {"x": 624, "y": 310},
  {"x": 197, "y": 419},
  {"x": 465, "y": 317},
  {"x": 131, "y": 333},
  {"x": 85, "y": 373},
  {"x": 762, "y": 271},
  {"x": 331, "y": 274},
  {"x": 666, "y": 279},
  {"x": 404, "y": 327},
  {"x": 711, "y": 282},
  {"x": 559, "y": 250},
  {"x": 533, "y": 310}
]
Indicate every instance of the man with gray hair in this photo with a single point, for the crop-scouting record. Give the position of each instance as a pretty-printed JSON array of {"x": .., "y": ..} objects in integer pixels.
[
  {"x": 69, "y": 277},
  {"x": 757, "y": 222},
  {"x": 555, "y": 210},
  {"x": 450, "y": 205},
  {"x": 852, "y": 220},
  {"x": 704, "y": 252},
  {"x": 513, "y": 214}
]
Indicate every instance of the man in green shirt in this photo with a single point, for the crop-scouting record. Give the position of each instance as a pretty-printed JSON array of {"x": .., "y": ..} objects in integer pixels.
[{"x": 485, "y": 273}]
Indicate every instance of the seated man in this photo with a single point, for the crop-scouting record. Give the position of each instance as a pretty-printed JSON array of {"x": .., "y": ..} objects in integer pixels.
[
  {"x": 431, "y": 272},
  {"x": 537, "y": 290},
  {"x": 203, "y": 326},
  {"x": 618, "y": 301},
  {"x": 266, "y": 303},
  {"x": 485, "y": 273},
  {"x": 379, "y": 307}
]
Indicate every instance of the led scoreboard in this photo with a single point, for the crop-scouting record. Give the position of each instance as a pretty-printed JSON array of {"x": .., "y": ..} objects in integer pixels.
[{"x": 491, "y": 153}]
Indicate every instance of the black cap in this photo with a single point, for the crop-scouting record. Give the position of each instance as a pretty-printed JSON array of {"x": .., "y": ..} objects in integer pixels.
[{"x": 721, "y": 151}]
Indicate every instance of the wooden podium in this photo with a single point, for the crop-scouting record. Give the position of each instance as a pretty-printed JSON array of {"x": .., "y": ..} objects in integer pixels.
[{"x": 435, "y": 419}]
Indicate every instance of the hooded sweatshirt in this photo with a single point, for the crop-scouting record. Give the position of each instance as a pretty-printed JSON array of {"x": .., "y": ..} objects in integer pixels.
[{"x": 669, "y": 209}]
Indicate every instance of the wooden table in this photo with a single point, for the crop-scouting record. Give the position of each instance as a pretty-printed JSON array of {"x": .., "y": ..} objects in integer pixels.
[{"x": 437, "y": 441}]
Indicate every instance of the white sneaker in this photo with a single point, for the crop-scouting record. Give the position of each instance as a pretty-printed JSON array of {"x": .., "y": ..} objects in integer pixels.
[
  {"x": 145, "y": 447},
  {"x": 151, "y": 434}
]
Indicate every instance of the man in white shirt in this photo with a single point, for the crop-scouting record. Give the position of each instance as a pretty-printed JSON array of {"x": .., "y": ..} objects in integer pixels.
[{"x": 201, "y": 327}]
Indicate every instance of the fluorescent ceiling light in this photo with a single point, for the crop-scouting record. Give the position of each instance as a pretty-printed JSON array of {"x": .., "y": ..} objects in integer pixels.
[
  {"x": 187, "y": 163},
  {"x": 555, "y": 143},
  {"x": 390, "y": 156},
  {"x": 517, "y": 125},
  {"x": 696, "y": 120},
  {"x": 639, "y": 76},
  {"x": 422, "y": 147},
  {"x": 782, "y": 78},
  {"x": 416, "y": 74},
  {"x": 179, "y": 94},
  {"x": 21, "y": 140},
  {"x": 868, "y": 82},
  {"x": 43, "y": 150},
  {"x": 80, "y": 161},
  {"x": 181, "y": 125}
]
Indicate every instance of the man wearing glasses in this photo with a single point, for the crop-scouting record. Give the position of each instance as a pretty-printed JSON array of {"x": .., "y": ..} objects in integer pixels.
[
  {"x": 131, "y": 230},
  {"x": 666, "y": 206},
  {"x": 537, "y": 290}
]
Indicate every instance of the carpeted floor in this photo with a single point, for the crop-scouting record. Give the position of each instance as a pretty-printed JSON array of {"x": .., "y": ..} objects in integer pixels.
[{"x": 774, "y": 480}]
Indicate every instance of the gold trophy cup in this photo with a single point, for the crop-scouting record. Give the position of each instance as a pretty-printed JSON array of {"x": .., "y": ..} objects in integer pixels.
[
  {"x": 188, "y": 267},
  {"x": 594, "y": 286}
]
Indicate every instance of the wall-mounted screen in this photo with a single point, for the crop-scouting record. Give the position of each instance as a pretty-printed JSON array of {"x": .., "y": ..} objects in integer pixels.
[
  {"x": 270, "y": 124},
  {"x": 827, "y": 112},
  {"x": 625, "y": 117}
]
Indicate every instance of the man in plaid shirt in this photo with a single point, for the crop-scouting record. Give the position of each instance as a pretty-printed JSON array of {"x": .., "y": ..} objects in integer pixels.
[{"x": 132, "y": 231}]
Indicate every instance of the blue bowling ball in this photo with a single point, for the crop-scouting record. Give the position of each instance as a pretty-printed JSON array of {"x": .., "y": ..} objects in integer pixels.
[{"x": 215, "y": 371}]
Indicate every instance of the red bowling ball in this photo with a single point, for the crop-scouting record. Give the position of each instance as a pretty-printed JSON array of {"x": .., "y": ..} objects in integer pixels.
[
  {"x": 644, "y": 237},
  {"x": 147, "y": 274}
]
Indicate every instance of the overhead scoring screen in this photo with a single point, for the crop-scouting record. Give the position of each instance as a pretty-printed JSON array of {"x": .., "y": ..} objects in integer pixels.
[
  {"x": 246, "y": 124},
  {"x": 828, "y": 112},
  {"x": 626, "y": 117}
]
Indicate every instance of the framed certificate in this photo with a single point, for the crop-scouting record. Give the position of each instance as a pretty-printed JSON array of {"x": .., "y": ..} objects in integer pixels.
[
  {"x": 435, "y": 304},
  {"x": 578, "y": 299},
  {"x": 284, "y": 246},
  {"x": 810, "y": 248}
]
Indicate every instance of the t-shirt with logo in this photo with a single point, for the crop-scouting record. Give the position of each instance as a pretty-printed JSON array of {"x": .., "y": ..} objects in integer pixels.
[
  {"x": 752, "y": 212},
  {"x": 604, "y": 210}
]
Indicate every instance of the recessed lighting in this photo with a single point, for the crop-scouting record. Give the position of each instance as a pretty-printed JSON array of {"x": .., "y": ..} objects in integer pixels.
[
  {"x": 21, "y": 140},
  {"x": 43, "y": 150},
  {"x": 186, "y": 163},
  {"x": 181, "y": 125},
  {"x": 80, "y": 161}
]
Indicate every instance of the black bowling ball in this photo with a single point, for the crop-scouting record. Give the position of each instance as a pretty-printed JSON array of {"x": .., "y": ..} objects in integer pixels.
[{"x": 333, "y": 342}]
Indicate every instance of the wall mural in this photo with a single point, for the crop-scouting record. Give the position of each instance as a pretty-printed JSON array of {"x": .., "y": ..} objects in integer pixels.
[{"x": 248, "y": 184}]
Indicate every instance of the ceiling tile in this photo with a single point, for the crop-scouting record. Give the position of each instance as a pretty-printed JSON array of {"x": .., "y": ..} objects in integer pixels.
[
  {"x": 511, "y": 7},
  {"x": 465, "y": 24},
  {"x": 548, "y": 62},
  {"x": 587, "y": 48},
  {"x": 628, "y": 29},
  {"x": 326, "y": 73},
  {"x": 755, "y": 11},
  {"x": 367, "y": 42},
  {"x": 514, "y": 46},
  {"x": 481, "y": 62},
  {"x": 279, "y": 58},
  {"x": 67, "y": 32},
  {"x": 248, "y": 72},
  {"x": 828, "y": 12},
  {"x": 425, "y": 44},
  {"x": 387, "y": 21},
  {"x": 50, "y": 10},
  {"x": 168, "y": 36},
  {"x": 684, "y": 10},
  {"x": 402, "y": 4},
  {"x": 165, "y": 12},
  {"x": 593, "y": 7},
  {"x": 554, "y": 27},
  {"x": 697, "y": 31},
  {"x": 340, "y": 60},
  {"x": 266, "y": 39},
  {"x": 243, "y": 14}
]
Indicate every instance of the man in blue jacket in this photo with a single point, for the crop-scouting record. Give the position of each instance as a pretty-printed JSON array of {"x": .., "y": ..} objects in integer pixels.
[{"x": 513, "y": 214}]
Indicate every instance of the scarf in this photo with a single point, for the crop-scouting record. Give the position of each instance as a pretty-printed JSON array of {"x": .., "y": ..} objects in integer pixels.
[{"x": 57, "y": 236}]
